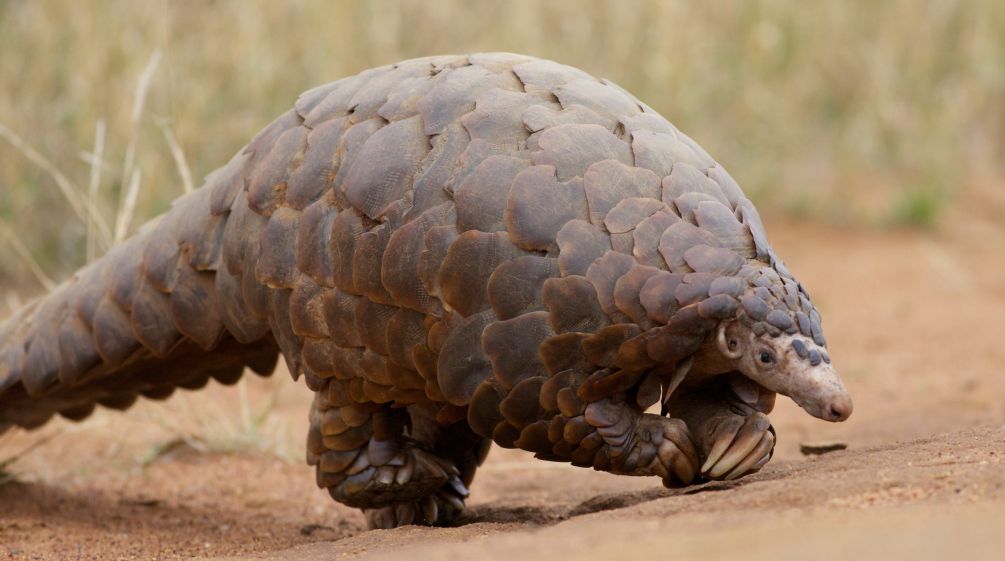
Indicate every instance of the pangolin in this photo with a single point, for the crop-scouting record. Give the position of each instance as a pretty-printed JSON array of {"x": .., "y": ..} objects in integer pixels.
[{"x": 452, "y": 251}]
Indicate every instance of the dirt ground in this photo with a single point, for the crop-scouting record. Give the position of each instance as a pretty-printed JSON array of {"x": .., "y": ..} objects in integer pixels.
[{"x": 915, "y": 323}]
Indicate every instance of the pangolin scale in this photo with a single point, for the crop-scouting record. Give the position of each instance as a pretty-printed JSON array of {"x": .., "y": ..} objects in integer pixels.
[{"x": 452, "y": 251}]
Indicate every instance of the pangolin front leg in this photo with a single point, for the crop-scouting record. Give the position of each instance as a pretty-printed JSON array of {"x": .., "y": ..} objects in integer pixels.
[
  {"x": 608, "y": 434},
  {"x": 729, "y": 422},
  {"x": 636, "y": 443}
]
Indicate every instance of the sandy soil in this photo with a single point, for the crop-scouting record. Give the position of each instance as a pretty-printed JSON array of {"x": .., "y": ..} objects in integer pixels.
[{"x": 914, "y": 322}]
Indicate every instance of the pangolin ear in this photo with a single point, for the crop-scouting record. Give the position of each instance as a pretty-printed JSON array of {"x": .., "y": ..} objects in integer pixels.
[{"x": 728, "y": 339}]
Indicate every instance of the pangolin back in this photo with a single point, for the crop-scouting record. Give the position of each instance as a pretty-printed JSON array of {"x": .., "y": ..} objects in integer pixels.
[{"x": 452, "y": 230}]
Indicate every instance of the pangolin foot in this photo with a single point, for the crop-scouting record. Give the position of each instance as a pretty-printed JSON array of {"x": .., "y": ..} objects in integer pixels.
[
  {"x": 664, "y": 448},
  {"x": 440, "y": 508},
  {"x": 411, "y": 475},
  {"x": 643, "y": 444},
  {"x": 736, "y": 446}
]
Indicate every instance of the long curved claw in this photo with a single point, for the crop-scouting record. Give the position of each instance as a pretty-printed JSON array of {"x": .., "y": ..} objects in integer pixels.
[
  {"x": 744, "y": 447},
  {"x": 726, "y": 427},
  {"x": 757, "y": 457}
]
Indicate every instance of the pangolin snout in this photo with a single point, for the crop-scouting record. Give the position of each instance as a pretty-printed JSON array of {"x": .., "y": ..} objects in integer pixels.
[
  {"x": 818, "y": 390},
  {"x": 840, "y": 408},
  {"x": 824, "y": 396}
]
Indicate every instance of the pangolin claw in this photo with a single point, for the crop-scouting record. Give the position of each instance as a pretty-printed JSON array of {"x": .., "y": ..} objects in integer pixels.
[
  {"x": 436, "y": 509},
  {"x": 739, "y": 445}
]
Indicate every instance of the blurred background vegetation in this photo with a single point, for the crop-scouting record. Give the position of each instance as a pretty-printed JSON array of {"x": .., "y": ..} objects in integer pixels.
[{"x": 856, "y": 112}]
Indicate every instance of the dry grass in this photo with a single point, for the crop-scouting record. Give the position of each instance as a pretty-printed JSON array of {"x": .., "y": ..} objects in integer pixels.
[
  {"x": 9, "y": 460},
  {"x": 200, "y": 422},
  {"x": 847, "y": 110}
]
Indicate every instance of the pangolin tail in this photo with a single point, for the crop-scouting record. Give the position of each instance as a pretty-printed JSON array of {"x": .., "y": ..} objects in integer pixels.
[{"x": 158, "y": 312}]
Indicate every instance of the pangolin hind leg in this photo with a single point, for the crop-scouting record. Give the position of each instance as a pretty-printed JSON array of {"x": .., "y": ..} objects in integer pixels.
[
  {"x": 371, "y": 456},
  {"x": 454, "y": 442},
  {"x": 729, "y": 421}
]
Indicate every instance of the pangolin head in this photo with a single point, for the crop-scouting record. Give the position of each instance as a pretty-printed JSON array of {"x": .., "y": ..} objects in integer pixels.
[
  {"x": 789, "y": 364},
  {"x": 775, "y": 340},
  {"x": 692, "y": 292},
  {"x": 743, "y": 316}
]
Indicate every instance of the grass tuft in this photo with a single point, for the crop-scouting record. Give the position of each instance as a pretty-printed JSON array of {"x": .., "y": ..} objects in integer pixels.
[
  {"x": 918, "y": 208},
  {"x": 198, "y": 425}
]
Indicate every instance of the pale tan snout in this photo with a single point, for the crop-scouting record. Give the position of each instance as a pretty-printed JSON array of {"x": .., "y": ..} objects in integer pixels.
[
  {"x": 839, "y": 409},
  {"x": 819, "y": 391}
]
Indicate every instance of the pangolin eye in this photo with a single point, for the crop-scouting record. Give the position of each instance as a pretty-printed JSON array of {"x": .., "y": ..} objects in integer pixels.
[{"x": 766, "y": 357}]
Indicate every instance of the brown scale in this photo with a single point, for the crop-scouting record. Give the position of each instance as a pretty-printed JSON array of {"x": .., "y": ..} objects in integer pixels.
[
  {"x": 516, "y": 286},
  {"x": 539, "y": 204},
  {"x": 659, "y": 152},
  {"x": 580, "y": 244},
  {"x": 483, "y": 194},
  {"x": 627, "y": 296},
  {"x": 571, "y": 148},
  {"x": 467, "y": 266},
  {"x": 512, "y": 347},
  {"x": 646, "y": 238},
  {"x": 608, "y": 182},
  {"x": 539, "y": 118},
  {"x": 451, "y": 251},
  {"x": 603, "y": 274},
  {"x": 497, "y": 118},
  {"x": 629, "y": 213},
  {"x": 603, "y": 98},
  {"x": 437, "y": 169},
  {"x": 574, "y": 305}
]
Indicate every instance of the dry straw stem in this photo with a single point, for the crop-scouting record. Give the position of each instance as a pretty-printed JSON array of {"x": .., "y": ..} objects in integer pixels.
[
  {"x": 26, "y": 257},
  {"x": 128, "y": 166},
  {"x": 128, "y": 208},
  {"x": 178, "y": 154},
  {"x": 95, "y": 182},
  {"x": 85, "y": 209},
  {"x": 14, "y": 301}
]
